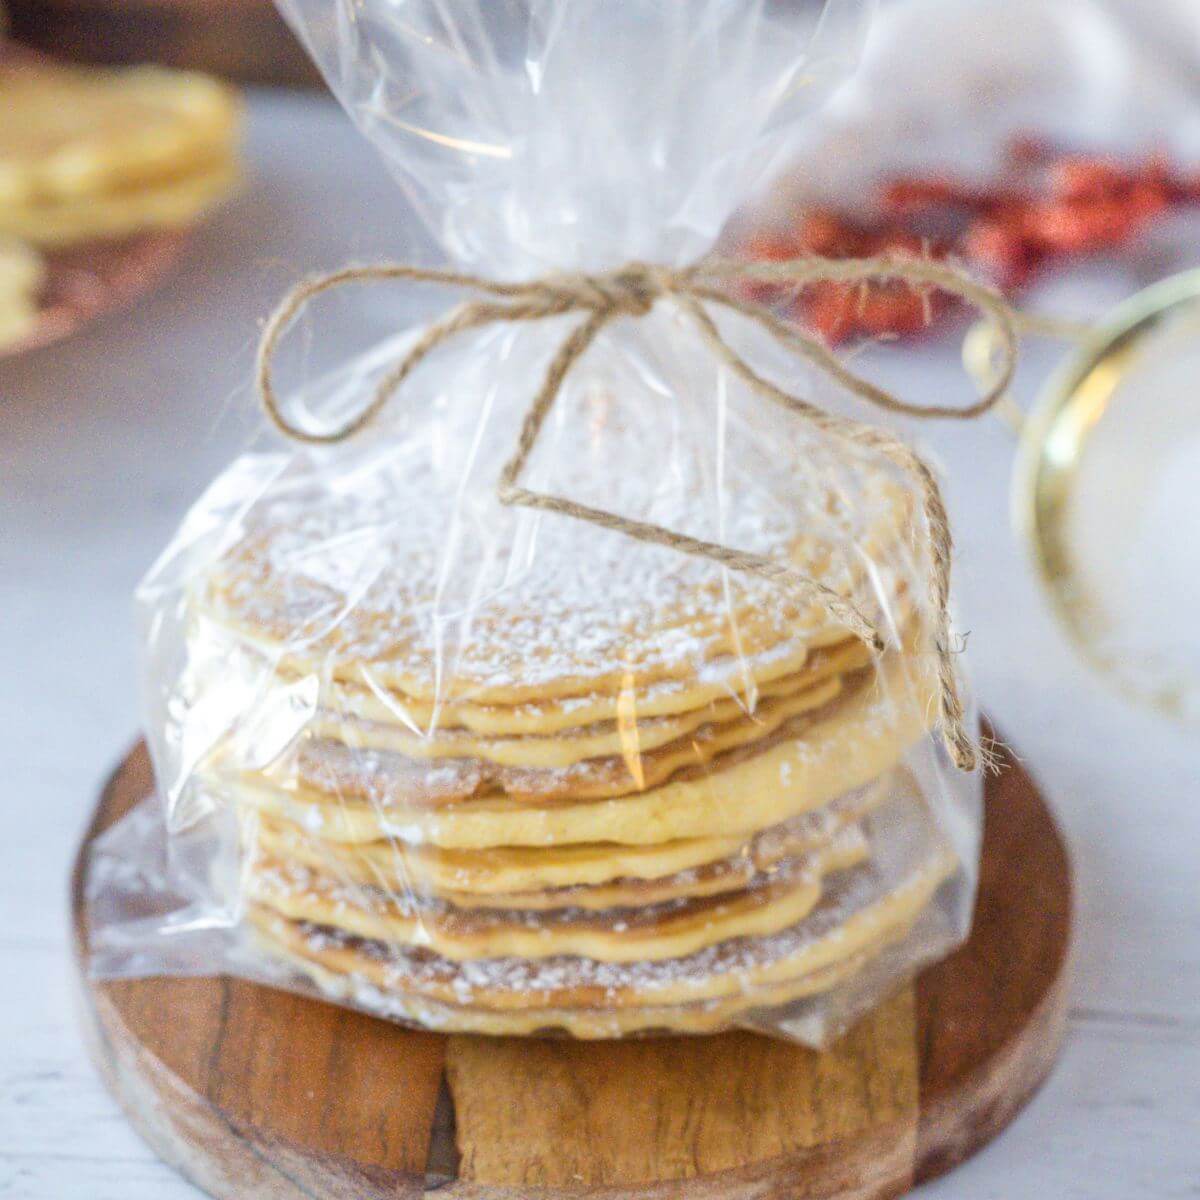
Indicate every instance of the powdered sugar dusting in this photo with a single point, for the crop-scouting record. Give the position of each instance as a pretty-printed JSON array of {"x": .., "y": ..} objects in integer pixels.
[
  {"x": 390, "y": 780},
  {"x": 272, "y": 878},
  {"x": 916, "y": 861},
  {"x": 390, "y": 571},
  {"x": 415, "y": 969}
]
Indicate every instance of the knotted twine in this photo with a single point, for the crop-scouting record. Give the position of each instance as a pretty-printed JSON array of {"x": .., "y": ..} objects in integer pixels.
[{"x": 632, "y": 291}]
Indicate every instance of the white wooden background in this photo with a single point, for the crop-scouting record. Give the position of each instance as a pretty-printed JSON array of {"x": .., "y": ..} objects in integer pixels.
[{"x": 103, "y": 443}]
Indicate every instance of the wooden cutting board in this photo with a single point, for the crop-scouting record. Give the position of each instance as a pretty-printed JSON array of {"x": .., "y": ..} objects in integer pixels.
[{"x": 257, "y": 1094}]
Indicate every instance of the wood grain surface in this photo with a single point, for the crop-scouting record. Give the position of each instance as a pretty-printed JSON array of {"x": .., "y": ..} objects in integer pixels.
[{"x": 261, "y": 1095}]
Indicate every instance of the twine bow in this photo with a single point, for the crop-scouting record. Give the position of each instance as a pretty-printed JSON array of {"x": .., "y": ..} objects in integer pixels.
[{"x": 632, "y": 291}]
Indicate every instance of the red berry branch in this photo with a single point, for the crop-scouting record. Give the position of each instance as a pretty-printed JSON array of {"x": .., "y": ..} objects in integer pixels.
[{"x": 1045, "y": 207}]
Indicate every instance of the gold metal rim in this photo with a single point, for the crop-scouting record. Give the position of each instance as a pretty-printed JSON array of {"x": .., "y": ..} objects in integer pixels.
[{"x": 1073, "y": 401}]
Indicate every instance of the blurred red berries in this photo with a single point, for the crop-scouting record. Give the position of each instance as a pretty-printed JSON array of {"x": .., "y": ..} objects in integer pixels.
[{"x": 1045, "y": 206}]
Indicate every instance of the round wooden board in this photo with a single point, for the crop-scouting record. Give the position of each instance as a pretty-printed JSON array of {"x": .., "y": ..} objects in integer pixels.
[{"x": 257, "y": 1094}]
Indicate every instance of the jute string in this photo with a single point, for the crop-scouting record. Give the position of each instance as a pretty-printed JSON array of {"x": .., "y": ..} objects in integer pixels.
[{"x": 632, "y": 291}]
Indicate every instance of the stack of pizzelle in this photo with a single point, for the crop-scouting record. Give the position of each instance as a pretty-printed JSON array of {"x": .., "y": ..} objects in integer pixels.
[
  {"x": 90, "y": 156},
  {"x": 616, "y": 790},
  {"x": 88, "y": 153}
]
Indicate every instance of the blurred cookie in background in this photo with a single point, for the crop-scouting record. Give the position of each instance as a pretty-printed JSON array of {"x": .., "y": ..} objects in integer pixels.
[
  {"x": 22, "y": 276},
  {"x": 103, "y": 171},
  {"x": 90, "y": 153}
]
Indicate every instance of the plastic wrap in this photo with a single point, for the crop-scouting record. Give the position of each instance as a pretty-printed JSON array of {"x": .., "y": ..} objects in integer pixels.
[{"x": 482, "y": 768}]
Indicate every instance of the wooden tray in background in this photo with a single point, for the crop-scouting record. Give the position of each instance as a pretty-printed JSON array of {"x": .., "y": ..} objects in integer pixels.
[
  {"x": 240, "y": 39},
  {"x": 89, "y": 281},
  {"x": 257, "y": 1094}
]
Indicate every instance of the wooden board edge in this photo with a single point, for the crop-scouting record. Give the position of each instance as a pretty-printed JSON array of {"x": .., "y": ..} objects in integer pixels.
[
  {"x": 880, "y": 1168},
  {"x": 1029, "y": 1056},
  {"x": 943, "y": 1141},
  {"x": 181, "y": 1126},
  {"x": 192, "y": 1117}
]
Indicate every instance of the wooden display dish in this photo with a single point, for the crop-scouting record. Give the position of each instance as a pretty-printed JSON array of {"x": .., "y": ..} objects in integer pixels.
[
  {"x": 86, "y": 282},
  {"x": 262, "y": 1095}
]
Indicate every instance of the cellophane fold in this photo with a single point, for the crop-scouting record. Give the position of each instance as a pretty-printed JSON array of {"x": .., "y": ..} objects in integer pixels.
[{"x": 475, "y": 767}]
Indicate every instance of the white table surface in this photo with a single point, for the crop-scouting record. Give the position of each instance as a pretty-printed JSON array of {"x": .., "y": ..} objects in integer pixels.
[{"x": 105, "y": 440}]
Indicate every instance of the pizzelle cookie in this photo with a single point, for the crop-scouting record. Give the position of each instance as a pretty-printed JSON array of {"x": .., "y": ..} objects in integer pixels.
[
  {"x": 88, "y": 153},
  {"x": 172, "y": 204},
  {"x": 602, "y": 875},
  {"x": 637, "y": 755},
  {"x": 22, "y": 275},
  {"x": 681, "y": 699},
  {"x": 731, "y": 719},
  {"x": 366, "y": 798},
  {"x": 722, "y": 682},
  {"x": 353, "y": 588},
  {"x": 71, "y": 132},
  {"x": 863, "y": 911},
  {"x": 350, "y": 972},
  {"x": 653, "y": 931}
]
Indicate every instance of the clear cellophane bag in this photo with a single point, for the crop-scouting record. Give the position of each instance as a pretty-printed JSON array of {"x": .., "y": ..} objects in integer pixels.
[{"x": 478, "y": 767}]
